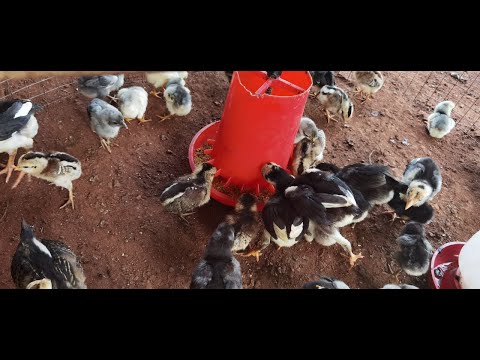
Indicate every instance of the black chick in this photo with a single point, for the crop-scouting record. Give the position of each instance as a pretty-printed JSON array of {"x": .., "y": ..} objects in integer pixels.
[
  {"x": 415, "y": 251},
  {"x": 45, "y": 264},
  {"x": 326, "y": 283},
  {"x": 189, "y": 192},
  {"x": 218, "y": 269},
  {"x": 322, "y": 78},
  {"x": 281, "y": 220},
  {"x": 422, "y": 214}
]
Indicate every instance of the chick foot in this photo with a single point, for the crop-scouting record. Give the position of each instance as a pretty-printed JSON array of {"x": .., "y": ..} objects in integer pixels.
[
  {"x": 155, "y": 93},
  {"x": 69, "y": 201},
  {"x": 182, "y": 216},
  {"x": 330, "y": 117},
  {"x": 143, "y": 120},
  {"x": 8, "y": 169},
  {"x": 354, "y": 258},
  {"x": 256, "y": 253},
  {"x": 163, "y": 118},
  {"x": 106, "y": 145},
  {"x": 19, "y": 178},
  {"x": 113, "y": 98}
]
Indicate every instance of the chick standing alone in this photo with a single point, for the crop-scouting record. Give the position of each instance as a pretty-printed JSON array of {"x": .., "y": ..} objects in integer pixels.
[
  {"x": 56, "y": 167},
  {"x": 18, "y": 127},
  {"x": 415, "y": 251},
  {"x": 133, "y": 103},
  {"x": 45, "y": 264},
  {"x": 335, "y": 101},
  {"x": 189, "y": 192},
  {"x": 100, "y": 86},
  {"x": 105, "y": 120},
  {"x": 368, "y": 82},
  {"x": 218, "y": 269},
  {"x": 178, "y": 99},
  {"x": 439, "y": 123}
]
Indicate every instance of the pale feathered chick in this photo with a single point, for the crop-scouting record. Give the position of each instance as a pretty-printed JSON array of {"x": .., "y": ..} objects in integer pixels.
[
  {"x": 306, "y": 129},
  {"x": 415, "y": 250},
  {"x": 160, "y": 78},
  {"x": 178, "y": 99},
  {"x": 45, "y": 264},
  {"x": 18, "y": 127},
  {"x": 105, "y": 121},
  {"x": 100, "y": 86},
  {"x": 439, "y": 123},
  {"x": 308, "y": 152},
  {"x": 368, "y": 83},
  {"x": 336, "y": 102},
  {"x": 56, "y": 167},
  {"x": 218, "y": 269},
  {"x": 133, "y": 102},
  {"x": 424, "y": 181}
]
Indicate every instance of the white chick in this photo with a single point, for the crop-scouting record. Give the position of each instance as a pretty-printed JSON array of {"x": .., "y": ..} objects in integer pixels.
[
  {"x": 368, "y": 82},
  {"x": 439, "y": 123},
  {"x": 178, "y": 99},
  {"x": 335, "y": 101},
  {"x": 160, "y": 78},
  {"x": 307, "y": 128},
  {"x": 133, "y": 103}
]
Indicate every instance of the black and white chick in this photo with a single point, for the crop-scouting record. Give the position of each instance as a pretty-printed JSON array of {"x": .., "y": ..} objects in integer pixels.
[
  {"x": 178, "y": 99},
  {"x": 100, "y": 86},
  {"x": 399, "y": 287},
  {"x": 18, "y": 127},
  {"x": 159, "y": 78},
  {"x": 189, "y": 192},
  {"x": 132, "y": 102},
  {"x": 439, "y": 123},
  {"x": 424, "y": 181},
  {"x": 105, "y": 121},
  {"x": 326, "y": 283},
  {"x": 308, "y": 152},
  {"x": 218, "y": 269},
  {"x": 336, "y": 102},
  {"x": 415, "y": 250},
  {"x": 422, "y": 214},
  {"x": 250, "y": 234},
  {"x": 281, "y": 219},
  {"x": 45, "y": 264},
  {"x": 322, "y": 78},
  {"x": 368, "y": 83},
  {"x": 58, "y": 168}
]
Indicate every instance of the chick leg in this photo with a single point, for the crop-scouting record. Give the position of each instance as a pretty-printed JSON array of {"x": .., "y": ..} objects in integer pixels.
[
  {"x": 10, "y": 166},
  {"x": 164, "y": 117},
  {"x": 19, "y": 178},
  {"x": 348, "y": 248},
  {"x": 392, "y": 213},
  {"x": 256, "y": 253},
  {"x": 128, "y": 120},
  {"x": 105, "y": 144},
  {"x": 329, "y": 117},
  {"x": 366, "y": 98},
  {"x": 70, "y": 200},
  {"x": 113, "y": 98},
  {"x": 182, "y": 216},
  {"x": 155, "y": 93}
]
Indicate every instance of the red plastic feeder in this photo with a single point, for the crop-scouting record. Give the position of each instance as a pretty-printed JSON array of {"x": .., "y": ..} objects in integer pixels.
[
  {"x": 444, "y": 265},
  {"x": 255, "y": 128}
]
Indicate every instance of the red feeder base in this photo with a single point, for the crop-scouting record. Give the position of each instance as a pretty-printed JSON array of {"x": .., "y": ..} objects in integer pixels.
[{"x": 444, "y": 265}]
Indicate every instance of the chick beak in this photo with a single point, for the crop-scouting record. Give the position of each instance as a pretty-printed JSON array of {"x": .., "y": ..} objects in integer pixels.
[
  {"x": 18, "y": 168},
  {"x": 124, "y": 124},
  {"x": 410, "y": 202}
]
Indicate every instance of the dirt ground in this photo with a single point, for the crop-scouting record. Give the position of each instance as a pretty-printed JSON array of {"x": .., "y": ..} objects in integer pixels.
[{"x": 126, "y": 240}]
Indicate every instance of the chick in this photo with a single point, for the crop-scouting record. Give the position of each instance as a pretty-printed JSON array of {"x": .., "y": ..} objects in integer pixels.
[
  {"x": 306, "y": 129},
  {"x": 160, "y": 78},
  {"x": 400, "y": 286},
  {"x": 189, "y": 192},
  {"x": 105, "y": 121},
  {"x": 100, "y": 86},
  {"x": 56, "y": 167},
  {"x": 45, "y": 264},
  {"x": 308, "y": 152},
  {"x": 18, "y": 127},
  {"x": 285, "y": 226},
  {"x": 250, "y": 234},
  {"x": 322, "y": 78},
  {"x": 415, "y": 251},
  {"x": 133, "y": 103},
  {"x": 326, "y": 283},
  {"x": 218, "y": 269},
  {"x": 439, "y": 123},
  {"x": 424, "y": 181},
  {"x": 422, "y": 214},
  {"x": 335, "y": 101},
  {"x": 368, "y": 82},
  {"x": 178, "y": 99}
]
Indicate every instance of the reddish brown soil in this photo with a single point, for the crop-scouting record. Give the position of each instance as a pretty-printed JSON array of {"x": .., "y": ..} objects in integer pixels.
[{"x": 126, "y": 240}]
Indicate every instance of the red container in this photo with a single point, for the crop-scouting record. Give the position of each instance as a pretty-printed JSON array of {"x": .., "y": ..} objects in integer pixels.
[
  {"x": 444, "y": 265},
  {"x": 255, "y": 128}
]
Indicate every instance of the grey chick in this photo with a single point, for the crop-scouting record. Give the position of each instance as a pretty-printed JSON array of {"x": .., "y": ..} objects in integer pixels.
[
  {"x": 326, "y": 283},
  {"x": 105, "y": 121},
  {"x": 100, "y": 86},
  {"x": 439, "y": 123},
  {"x": 178, "y": 99},
  {"x": 400, "y": 286},
  {"x": 306, "y": 129},
  {"x": 424, "y": 181},
  {"x": 322, "y": 78},
  {"x": 308, "y": 152},
  {"x": 133, "y": 103},
  {"x": 160, "y": 78},
  {"x": 335, "y": 101},
  {"x": 45, "y": 264},
  {"x": 189, "y": 192},
  {"x": 415, "y": 251},
  {"x": 368, "y": 82},
  {"x": 218, "y": 269}
]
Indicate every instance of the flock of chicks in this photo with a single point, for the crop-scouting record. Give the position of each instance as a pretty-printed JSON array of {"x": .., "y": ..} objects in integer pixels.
[
  {"x": 312, "y": 204},
  {"x": 48, "y": 263}
]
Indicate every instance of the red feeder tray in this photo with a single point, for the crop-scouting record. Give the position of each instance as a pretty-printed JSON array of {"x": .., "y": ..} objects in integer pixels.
[
  {"x": 444, "y": 265},
  {"x": 255, "y": 128}
]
